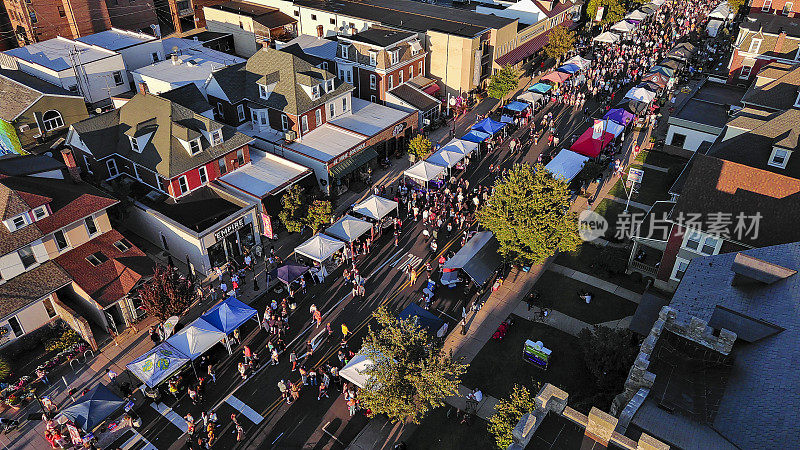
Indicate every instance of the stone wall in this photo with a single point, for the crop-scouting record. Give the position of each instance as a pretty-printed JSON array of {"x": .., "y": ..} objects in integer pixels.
[
  {"x": 697, "y": 330},
  {"x": 75, "y": 321}
]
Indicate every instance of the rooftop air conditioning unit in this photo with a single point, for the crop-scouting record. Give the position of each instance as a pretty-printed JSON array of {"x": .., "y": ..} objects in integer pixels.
[{"x": 290, "y": 136}]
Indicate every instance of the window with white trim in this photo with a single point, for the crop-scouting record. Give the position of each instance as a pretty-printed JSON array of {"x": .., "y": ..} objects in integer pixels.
[
  {"x": 344, "y": 104},
  {"x": 373, "y": 58},
  {"x": 766, "y": 6},
  {"x": 284, "y": 122},
  {"x": 372, "y": 81},
  {"x": 400, "y": 77},
  {"x": 19, "y": 221},
  {"x": 693, "y": 239},
  {"x": 195, "y": 147},
  {"x": 390, "y": 83},
  {"x": 329, "y": 85},
  {"x": 183, "y": 184},
  {"x": 709, "y": 245},
  {"x": 410, "y": 72},
  {"x": 13, "y": 322},
  {"x": 779, "y": 157},
  {"x": 331, "y": 110},
  {"x": 240, "y": 111},
  {"x": 134, "y": 144},
  {"x": 220, "y": 110},
  {"x": 222, "y": 167},
  {"x": 51, "y": 120},
  {"x": 203, "y": 175},
  {"x": 91, "y": 227},
  {"x": 112, "y": 167},
  {"x": 745, "y": 72},
  {"x": 372, "y": 98},
  {"x": 304, "y": 124},
  {"x": 345, "y": 51},
  {"x": 88, "y": 164},
  {"x": 40, "y": 213},
  {"x": 315, "y": 92},
  {"x": 262, "y": 91},
  {"x": 216, "y": 137},
  {"x": 318, "y": 117},
  {"x": 27, "y": 256},
  {"x": 421, "y": 72},
  {"x": 61, "y": 240},
  {"x": 394, "y": 56},
  {"x": 240, "y": 156},
  {"x": 755, "y": 45},
  {"x": 787, "y": 8},
  {"x": 679, "y": 269}
]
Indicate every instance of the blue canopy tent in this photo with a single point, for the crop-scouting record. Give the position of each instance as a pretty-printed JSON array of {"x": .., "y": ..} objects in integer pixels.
[
  {"x": 540, "y": 88},
  {"x": 424, "y": 318},
  {"x": 229, "y": 315},
  {"x": 288, "y": 273},
  {"x": 476, "y": 136},
  {"x": 516, "y": 106},
  {"x": 569, "y": 68},
  {"x": 489, "y": 126},
  {"x": 93, "y": 408}
]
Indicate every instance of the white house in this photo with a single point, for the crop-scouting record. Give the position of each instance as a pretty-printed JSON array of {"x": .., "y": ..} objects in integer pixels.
[{"x": 137, "y": 49}]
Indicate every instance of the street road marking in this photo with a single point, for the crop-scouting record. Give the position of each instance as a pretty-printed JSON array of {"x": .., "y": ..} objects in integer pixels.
[
  {"x": 171, "y": 415},
  {"x": 137, "y": 439},
  {"x": 410, "y": 259},
  {"x": 388, "y": 261},
  {"x": 244, "y": 409}
]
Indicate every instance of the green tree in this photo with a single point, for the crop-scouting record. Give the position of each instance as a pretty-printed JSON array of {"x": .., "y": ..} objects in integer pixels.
[
  {"x": 736, "y": 5},
  {"x": 559, "y": 41},
  {"x": 291, "y": 214},
  {"x": 509, "y": 411},
  {"x": 167, "y": 294},
  {"x": 609, "y": 354},
  {"x": 614, "y": 11},
  {"x": 503, "y": 82},
  {"x": 530, "y": 216},
  {"x": 410, "y": 374},
  {"x": 419, "y": 146},
  {"x": 319, "y": 213}
]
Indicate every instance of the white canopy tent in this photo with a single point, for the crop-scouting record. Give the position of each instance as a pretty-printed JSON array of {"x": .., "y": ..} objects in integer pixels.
[
  {"x": 566, "y": 164},
  {"x": 658, "y": 2},
  {"x": 607, "y": 37},
  {"x": 424, "y": 171},
  {"x": 613, "y": 127},
  {"x": 196, "y": 338},
  {"x": 623, "y": 27},
  {"x": 375, "y": 207},
  {"x": 461, "y": 146},
  {"x": 319, "y": 248},
  {"x": 445, "y": 158},
  {"x": 636, "y": 15},
  {"x": 530, "y": 97},
  {"x": 353, "y": 370},
  {"x": 158, "y": 364},
  {"x": 348, "y": 228},
  {"x": 578, "y": 61},
  {"x": 721, "y": 12},
  {"x": 713, "y": 27},
  {"x": 641, "y": 94}
]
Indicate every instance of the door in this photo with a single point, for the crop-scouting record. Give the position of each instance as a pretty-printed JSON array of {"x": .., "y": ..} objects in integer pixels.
[{"x": 116, "y": 321}]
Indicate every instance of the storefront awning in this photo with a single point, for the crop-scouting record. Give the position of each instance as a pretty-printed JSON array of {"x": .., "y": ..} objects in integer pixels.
[
  {"x": 432, "y": 89},
  {"x": 527, "y": 48},
  {"x": 352, "y": 163}
]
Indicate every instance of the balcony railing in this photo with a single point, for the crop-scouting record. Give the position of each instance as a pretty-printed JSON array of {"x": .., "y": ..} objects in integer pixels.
[{"x": 643, "y": 268}]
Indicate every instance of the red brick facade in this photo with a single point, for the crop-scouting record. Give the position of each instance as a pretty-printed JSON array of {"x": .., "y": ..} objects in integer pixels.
[{"x": 783, "y": 7}]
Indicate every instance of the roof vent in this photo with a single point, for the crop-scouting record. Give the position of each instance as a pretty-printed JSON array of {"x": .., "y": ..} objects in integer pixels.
[{"x": 750, "y": 270}]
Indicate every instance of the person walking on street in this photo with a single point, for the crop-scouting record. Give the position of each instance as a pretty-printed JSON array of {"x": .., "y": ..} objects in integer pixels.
[
  {"x": 345, "y": 331},
  {"x": 318, "y": 318},
  {"x": 212, "y": 373},
  {"x": 293, "y": 360}
]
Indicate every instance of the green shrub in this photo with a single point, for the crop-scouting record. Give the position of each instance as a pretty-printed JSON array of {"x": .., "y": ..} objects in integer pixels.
[
  {"x": 65, "y": 341},
  {"x": 5, "y": 369}
]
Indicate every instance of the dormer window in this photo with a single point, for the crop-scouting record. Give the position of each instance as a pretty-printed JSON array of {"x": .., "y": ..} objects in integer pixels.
[
  {"x": 797, "y": 100},
  {"x": 329, "y": 85},
  {"x": 373, "y": 58},
  {"x": 19, "y": 221},
  {"x": 345, "y": 51},
  {"x": 216, "y": 137},
  {"x": 134, "y": 144},
  {"x": 315, "y": 92},
  {"x": 779, "y": 157},
  {"x": 97, "y": 258},
  {"x": 755, "y": 45},
  {"x": 195, "y": 147},
  {"x": 40, "y": 213},
  {"x": 262, "y": 91},
  {"x": 395, "y": 56}
]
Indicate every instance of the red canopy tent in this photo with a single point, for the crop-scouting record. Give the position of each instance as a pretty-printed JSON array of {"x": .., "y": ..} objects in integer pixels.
[
  {"x": 587, "y": 146},
  {"x": 556, "y": 76}
]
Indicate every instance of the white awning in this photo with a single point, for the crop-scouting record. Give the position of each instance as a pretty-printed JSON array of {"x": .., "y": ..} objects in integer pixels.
[
  {"x": 445, "y": 157},
  {"x": 607, "y": 37},
  {"x": 623, "y": 27},
  {"x": 636, "y": 15},
  {"x": 424, "y": 171},
  {"x": 566, "y": 164},
  {"x": 530, "y": 97},
  {"x": 157, "y": 364},
  {"x": 320, "y": 247},
  {"x": 583, "y": 63},
  {"x": 375, "y": 207},
  {"x": 348, "y": 228},
  {"x": 461, "y": 146}
]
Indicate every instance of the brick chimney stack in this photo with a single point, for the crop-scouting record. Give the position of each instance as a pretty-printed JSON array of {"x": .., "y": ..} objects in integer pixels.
[
  {"x": 142, "y": 87},
  {"x": 779, "y": 43},
  {"x": 72, "y": 167}
]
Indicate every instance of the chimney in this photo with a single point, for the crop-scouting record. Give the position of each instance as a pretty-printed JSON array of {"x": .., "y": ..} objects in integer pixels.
[
  {"x": 142, "y": 87},
  {"x": 72, "y": 167},
  {"x": 175, "y": 60},
  {"x": 779, "y": 42}
]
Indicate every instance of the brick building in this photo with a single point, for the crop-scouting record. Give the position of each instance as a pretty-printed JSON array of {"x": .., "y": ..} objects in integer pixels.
[{"x": 40, "y": 20}]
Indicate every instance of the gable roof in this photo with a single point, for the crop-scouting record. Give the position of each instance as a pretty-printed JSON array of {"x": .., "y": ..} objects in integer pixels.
[
  {"x": 287, "y": 71},
  {"x": 772, "y": 323},
  {"x": 718, "y": 186},
  {"x": 188, "y": 96},
  {"x": 311, "y": 45},
  {"x": 779, "y": 94},
  {"x": 19, "y": 91},
  {"x": 68, "y": 203},
  {"x": 107, "y": 134},
  {"x": 29, "y": 287}
]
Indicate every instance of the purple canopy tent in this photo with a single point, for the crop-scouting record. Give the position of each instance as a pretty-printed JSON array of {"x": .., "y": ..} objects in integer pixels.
[
  {"x": 288, "y": 273},
  {"x": 619, "y": 115}
]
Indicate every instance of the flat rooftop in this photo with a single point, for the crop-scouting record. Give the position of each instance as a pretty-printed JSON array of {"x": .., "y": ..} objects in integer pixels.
[
  {"x": 381, "y": 37},
  {"x": 326, "y": 142},
  {"x": 412, "y": 15},
  {"x": 710, "y": 104},
  {"x": 201, "y": 209},
  {"x": 54, "y": 53},
  {"x": 116, "y": 39},
  {"x": 266, "y": 174},
  {"x": 369, "y": 118},
  {"x": 265, "y": 15},
  {"x": 192, "y": 67}
]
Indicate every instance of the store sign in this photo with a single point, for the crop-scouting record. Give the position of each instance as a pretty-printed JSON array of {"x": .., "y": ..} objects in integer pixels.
[
  {"x": 5, "y": 333},
  {"x": 476, "y": 71},
  {"x": 536, "y": 353},
  {"x": 348, "y": 153},
  {"x": 267, "y": 222},
  {"x": 229, "y": 229},
  {"x": 398, "y": 128}
]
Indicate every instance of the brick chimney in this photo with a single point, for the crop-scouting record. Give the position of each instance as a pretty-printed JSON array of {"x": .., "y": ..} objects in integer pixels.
[
  {"x": 779, "y": 43},
  {"x": 142, "y": 88},
  {"x": 72, "y": 167}
]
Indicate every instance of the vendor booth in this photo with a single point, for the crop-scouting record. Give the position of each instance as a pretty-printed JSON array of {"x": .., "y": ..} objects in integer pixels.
[
  {"x": 460, "y": 146},
  {"x": 93, "y": 408},
  {"x": 196, "y": 338},
  {"x": 632, "y": 105},
  {"x": 613, "y": 127},
  {"x": 322, "y": 250},
  {"x": 516, "y": 107},
  {"x": 353, "y": 371},
  {"x": 566, "y": 165},
  {"x": 349, "y": 229},
  {"x": 158, "y": 364},
  {"x": 623, "y": 27},
  {"x": 489, "y": 126},
  {"x": 425, "y": 319},
  {"x": 682, "y": 51},
  {"x": 636, "y": 16},
  {"x": 288, "y": 273},
  {"x": 658, "y": 79},
  {"x": 589, "y": 146},
  {"x": 607, "y": 37},
  {"x": 540, "y": 88},
  {"x": 556, "y": 77},
  {"x": 670, "y": 63},
  {"x": 424, "y": 172},
  {"x": 666, "y": 71},
  {"x": 445, "y": 158},
  {"x": 530, "y": 97},
  {"x": 375, "y": 207},
  {"x": 476, "y": 136},
  {"x": 620, "y": 116},
  {"x": 229, "y": 315},
  {"x": 479, "y": 259},
  {"x": 569, "y": 68},
  {"x": 582, "y": 63},
  {"x": 641, "y": 94}
]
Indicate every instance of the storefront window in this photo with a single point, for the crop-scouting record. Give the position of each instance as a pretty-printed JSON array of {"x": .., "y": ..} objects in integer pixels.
[
  {"x": 246, "y": 237},
  {"x": 216, "y": 254}
]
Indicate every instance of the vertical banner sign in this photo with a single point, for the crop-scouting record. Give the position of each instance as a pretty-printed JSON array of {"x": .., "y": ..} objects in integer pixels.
[
  {"x": 600, "y": 11},
  {"x": 267, "y": 222},
  {"x": 597, "y": 129},
  {"x": 476, "y": 73}
]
